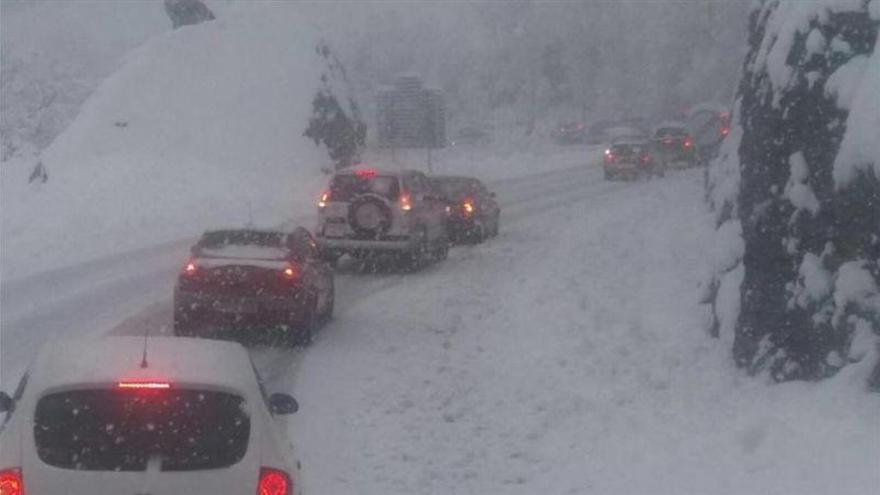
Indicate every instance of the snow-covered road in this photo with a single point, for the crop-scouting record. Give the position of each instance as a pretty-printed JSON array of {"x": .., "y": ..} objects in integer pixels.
[
  {"x": 565, "y": 356},
  {"x": 132, "y": 288}
]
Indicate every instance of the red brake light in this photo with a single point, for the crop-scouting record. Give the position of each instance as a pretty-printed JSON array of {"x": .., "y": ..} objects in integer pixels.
[
  {"x": 290, "y": 272},
  {"x": 688, "y": 143},
  {"x": 274, "y": 482},
  {"x": 725, "y": 131},
  {"x": 143, "y": 386},
  {"x": 646, "y": 158},
  {"x": 405, "y": 202},
  {"x": 11, "y": 482},
  {"x": 667, "y": 141},
  {"x": 190, "y": 268},
  {"x": 468, "y": 207},
  {"x": 325, "y": 196},
  {"x": 366, "y": 173}
]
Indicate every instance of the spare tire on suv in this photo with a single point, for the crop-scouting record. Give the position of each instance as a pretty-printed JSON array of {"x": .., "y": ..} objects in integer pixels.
[{"x": 369, "y": 216}]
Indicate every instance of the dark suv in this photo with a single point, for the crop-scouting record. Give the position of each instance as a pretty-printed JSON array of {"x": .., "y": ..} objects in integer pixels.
[
  {"x": 473, "y": 213},
  {"x": 243, "y": 278},
  {"x": 368, "y": 212},
  {"x": 674, "y": 146}
]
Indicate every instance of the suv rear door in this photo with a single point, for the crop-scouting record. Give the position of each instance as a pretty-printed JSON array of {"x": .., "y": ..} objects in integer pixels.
[{"x": 157, "y": 442}]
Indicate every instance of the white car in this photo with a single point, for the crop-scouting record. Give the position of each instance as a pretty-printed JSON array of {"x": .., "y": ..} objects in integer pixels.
[{"x": 104, "y": 417}]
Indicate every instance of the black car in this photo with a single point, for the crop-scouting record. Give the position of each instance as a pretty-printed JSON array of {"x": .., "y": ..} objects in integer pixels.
[
  {"x": 674, "y": 146},
  {"x": 472, "y": 212},
  {"x": 631, "y": 158},
  {"x": 245, "y": 280}
]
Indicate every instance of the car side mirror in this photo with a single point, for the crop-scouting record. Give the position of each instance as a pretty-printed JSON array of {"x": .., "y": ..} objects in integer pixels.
[
  {"x": 283, "y": 404},
  {"x": 6, "y": 402}
]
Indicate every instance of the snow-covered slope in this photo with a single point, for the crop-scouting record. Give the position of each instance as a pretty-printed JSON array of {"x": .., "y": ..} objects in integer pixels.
[
  {"x": 200, "y": 126},
  {"x": 54, "y": 54}
]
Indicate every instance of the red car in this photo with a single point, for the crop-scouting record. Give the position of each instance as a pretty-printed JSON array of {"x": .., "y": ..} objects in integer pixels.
[{"x": 242, "y": 280}]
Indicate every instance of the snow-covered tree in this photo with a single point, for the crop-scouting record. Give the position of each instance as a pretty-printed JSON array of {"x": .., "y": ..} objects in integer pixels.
[
  {"x": 336, "y": 120},
  {"x": 187, "y": 12},
  {"x": 796, "y": 192}
]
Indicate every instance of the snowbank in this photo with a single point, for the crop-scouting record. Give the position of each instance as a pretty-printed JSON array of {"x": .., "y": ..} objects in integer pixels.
[
  {"x": 566, "y": 356},
  {"x": 200, "y": 126}
]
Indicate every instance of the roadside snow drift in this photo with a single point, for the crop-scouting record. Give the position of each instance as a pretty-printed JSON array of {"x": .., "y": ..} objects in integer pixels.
[
  {"x": 201, "y": 126},
  {"x": 568, "y": 356}
]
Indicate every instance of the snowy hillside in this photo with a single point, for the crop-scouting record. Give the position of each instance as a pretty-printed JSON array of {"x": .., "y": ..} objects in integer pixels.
[
  {"x": 54, "y": 54},
  {"x": 199, "y": 127}
]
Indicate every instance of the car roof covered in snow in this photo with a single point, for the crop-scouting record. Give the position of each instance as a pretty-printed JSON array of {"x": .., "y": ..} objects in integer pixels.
[
  {"x": 101, "y": 361},
  {"x": 375, "y": 171}
]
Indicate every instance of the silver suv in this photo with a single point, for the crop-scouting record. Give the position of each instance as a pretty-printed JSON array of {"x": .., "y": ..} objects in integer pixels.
[{"x": 367, "y": 213}]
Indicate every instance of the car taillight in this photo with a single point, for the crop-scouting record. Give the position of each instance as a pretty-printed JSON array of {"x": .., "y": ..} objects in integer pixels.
[
  {"x": 688, "y": 143},
  {"x": 325, "y": 197},
  {"x": 190, "y": 268},
  {"x": 290, "y": 272},
  {"x": 667, "y": 141},
  {"x": 405, "y": 202},
  {"x": 273, "y": 482},
  {"x": 467, "y": 207},
  {"x": 609, "y": 156},
  {"x": 646, "y": 158},
  {"x": 725, "y": 131},
  {"x": 11, "y": 482}
]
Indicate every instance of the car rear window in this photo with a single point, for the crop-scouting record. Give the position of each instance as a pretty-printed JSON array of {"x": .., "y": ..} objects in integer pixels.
[
  {"x": 346, "y": 187},
  {"x": 670, "y": 132},
  {"x": 221, "y": 238},
  {"x": 624, "y": 149},
  {"x": 454, "y": 188},
  {"x": 115, "y": 430},
  {"x": 245, "y": 244}
]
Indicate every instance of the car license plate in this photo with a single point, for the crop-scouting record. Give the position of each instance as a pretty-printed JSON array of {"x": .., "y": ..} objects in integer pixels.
[
  {"x": 334, "y": 229},
  {"x": 239, "y": 307}
]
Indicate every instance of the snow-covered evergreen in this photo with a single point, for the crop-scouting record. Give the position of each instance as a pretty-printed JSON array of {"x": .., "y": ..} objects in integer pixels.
[{"x": 799, "y": 177}]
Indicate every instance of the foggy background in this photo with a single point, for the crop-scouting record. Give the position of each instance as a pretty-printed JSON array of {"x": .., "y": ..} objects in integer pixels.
[{"x": 517, "y": 67}]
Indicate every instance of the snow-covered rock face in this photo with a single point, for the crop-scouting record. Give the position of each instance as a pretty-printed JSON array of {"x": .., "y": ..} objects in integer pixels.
[
  {"x": 801, "y": 174},
  {"x": 201, "y": 126}
]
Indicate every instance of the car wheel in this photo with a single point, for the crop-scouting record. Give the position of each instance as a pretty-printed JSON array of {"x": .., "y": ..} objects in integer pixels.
[
  {"x": 328, "y": 312},
  {"x": 308, "y": 327},
  {"x": 442, "y": 251},
  {"x": 417, "y": 257},
  {"x": 478, "y": 233}
]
